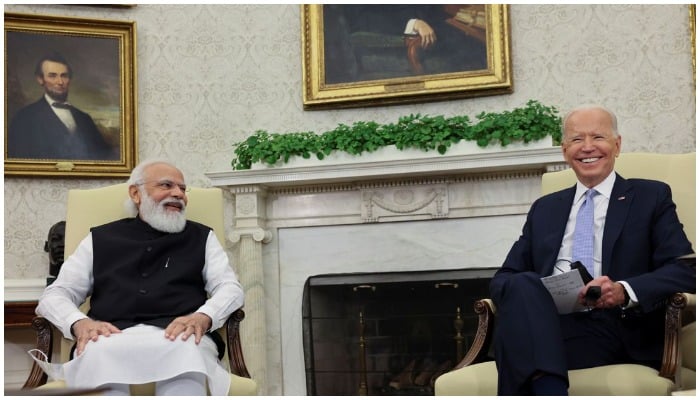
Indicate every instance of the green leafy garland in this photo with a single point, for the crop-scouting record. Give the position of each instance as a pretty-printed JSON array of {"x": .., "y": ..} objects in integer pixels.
[{"x": 526, "y": 124}]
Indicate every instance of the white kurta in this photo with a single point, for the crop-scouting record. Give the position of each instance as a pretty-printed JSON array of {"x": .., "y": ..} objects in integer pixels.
[{"x": 140, "y": 354}]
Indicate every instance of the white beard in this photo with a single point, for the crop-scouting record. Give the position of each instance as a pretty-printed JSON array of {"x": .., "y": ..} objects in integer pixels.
[{"x": 155, "y": 214}]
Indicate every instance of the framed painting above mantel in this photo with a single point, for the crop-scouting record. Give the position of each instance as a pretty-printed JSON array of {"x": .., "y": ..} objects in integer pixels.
[
  {"x": 357, "y": 55},
  {"x": 70, "y": 96}
]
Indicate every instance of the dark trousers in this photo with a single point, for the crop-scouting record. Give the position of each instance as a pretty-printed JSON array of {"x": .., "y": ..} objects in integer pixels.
[{"x": 532, "y": 337}]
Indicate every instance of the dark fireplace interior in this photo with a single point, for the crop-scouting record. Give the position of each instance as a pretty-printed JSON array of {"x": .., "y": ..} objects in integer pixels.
[{"x": 387, "y": 333}]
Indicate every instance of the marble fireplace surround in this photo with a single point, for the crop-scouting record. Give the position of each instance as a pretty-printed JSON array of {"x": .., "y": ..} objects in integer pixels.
[{"x": 444, "y": 212}]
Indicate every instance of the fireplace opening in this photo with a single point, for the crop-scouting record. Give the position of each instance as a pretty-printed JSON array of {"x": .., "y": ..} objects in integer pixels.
[{"x": 387, "y": 333}]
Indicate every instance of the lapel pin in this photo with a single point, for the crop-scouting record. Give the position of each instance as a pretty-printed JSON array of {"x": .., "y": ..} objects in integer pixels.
[{"x": 621, "y": 198}]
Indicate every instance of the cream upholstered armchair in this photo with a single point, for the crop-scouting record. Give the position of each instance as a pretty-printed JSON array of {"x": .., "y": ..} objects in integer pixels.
[
  {"x": 476, "y": 375},
  {"x": 92, "y": 207}
]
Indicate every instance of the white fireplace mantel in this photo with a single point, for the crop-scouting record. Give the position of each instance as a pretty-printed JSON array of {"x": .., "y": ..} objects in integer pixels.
[
  {"x": 291, "y": 223},
  {"x": 543, "y": 159}
]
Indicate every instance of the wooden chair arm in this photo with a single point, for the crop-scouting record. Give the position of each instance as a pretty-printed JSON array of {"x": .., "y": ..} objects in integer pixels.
[
  {"x": 233, "y": 344},
  {"x": 479, "y": 348},
  {"x": 44, "y": 342},
  {"x": 671, "y": 359}
]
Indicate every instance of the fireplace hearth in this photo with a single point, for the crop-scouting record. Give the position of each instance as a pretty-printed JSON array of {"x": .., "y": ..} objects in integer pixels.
[{"x": 387, "y": 333}]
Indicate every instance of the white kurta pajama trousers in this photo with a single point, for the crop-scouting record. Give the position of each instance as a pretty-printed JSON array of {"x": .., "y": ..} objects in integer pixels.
[{"x": 142, "y": 354}]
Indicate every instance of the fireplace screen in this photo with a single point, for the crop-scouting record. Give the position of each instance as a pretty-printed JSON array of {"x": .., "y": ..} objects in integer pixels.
[{"x": 387, "y": 333}]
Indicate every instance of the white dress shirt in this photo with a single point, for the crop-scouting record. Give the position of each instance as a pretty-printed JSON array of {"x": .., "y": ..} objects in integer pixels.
[{"x": 64, "y": 114}]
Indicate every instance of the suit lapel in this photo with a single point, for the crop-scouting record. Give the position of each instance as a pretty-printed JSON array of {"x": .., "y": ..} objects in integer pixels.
[
  {"x": 558, "y": 218},
  {"x": 618, "y": 208}
]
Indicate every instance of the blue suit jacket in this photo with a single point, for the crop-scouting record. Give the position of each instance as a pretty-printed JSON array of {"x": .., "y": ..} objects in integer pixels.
[{"x": 642, "y": 240}]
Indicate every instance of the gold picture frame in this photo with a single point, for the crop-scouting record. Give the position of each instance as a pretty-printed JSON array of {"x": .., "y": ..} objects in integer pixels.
[
  {"x": 88, "y": 62},
  {"x": 691, "y": 26},
  {"x": 347, "y": 54}
]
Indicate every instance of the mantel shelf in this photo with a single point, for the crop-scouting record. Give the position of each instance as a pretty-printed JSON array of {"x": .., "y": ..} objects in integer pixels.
[{"x": 502, "y": 161}]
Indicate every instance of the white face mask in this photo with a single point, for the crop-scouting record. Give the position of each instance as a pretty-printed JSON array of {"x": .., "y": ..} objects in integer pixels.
[{"x": 55, "y": 371}]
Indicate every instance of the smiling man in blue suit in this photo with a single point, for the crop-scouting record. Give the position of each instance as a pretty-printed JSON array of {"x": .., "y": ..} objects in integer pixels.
[{"x": 634, "y": 243}]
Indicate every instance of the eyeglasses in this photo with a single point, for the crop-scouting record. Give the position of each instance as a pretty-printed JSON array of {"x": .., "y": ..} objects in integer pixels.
[{"x": 167, "y": 185}]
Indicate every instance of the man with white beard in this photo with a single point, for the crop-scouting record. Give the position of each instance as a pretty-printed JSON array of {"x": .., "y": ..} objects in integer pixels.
[{"x": 159, "y": 287}]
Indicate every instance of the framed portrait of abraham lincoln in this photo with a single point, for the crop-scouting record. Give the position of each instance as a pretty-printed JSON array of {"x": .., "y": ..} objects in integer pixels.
[
  {"x": 357, "y": 55},
  {"x": 70, "y": 87}
]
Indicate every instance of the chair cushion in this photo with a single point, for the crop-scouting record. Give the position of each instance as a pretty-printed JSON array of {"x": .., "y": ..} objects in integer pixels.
[
  {"x": 239, "y": 387},
  {"x": 622, "y": 379},
  {"x": 688, "y": 345},
  {"x": 688, "y": 379},
  {"x": 242, "y": 386},
  {"x": 618, "y": 380},
  {"x": 474, "y": 380}
]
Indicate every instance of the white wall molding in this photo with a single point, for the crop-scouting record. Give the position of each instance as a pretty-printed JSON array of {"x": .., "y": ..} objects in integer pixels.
[{"x": 23, "y": 289}]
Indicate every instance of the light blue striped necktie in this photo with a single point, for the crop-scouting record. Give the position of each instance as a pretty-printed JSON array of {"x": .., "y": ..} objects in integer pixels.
[{"x": 583, "y": 232}]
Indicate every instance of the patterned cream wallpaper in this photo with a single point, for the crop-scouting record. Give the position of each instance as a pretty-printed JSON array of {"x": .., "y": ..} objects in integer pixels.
[{"x": 209, "y": 75}]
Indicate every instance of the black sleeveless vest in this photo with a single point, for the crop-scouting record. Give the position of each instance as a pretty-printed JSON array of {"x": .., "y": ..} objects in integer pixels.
[{"x": 146, "y": 276}]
